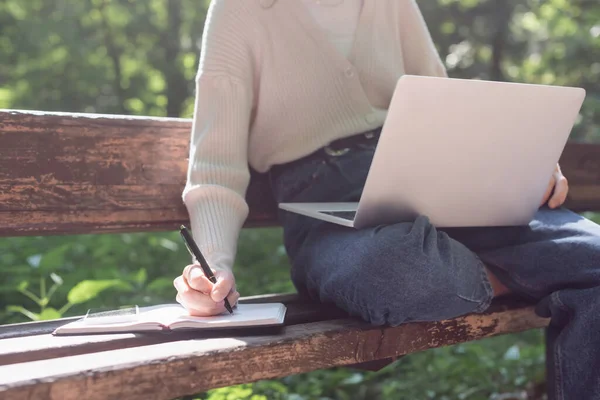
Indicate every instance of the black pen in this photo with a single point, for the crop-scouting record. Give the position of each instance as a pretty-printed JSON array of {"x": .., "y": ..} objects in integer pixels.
[{"x": 195, "y": 252}]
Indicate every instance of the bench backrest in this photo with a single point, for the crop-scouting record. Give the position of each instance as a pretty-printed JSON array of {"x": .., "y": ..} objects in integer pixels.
[{"x": 87, "y": 173}]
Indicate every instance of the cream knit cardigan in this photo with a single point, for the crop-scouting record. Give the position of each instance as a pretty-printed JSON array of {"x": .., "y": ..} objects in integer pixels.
[{"x": 272, "y": 88}]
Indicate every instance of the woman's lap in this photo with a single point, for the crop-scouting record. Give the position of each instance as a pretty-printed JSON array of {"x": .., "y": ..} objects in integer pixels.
[
  {"x": 413, "y": 271},
  {"x": 391, "y": 274}
]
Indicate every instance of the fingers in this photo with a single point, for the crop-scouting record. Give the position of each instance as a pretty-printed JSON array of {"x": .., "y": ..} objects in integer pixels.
[
  {"x": 561, "y": 189},
  {"x": 233, "y": 298},
  {"x": 549, "y": 190},
  {"x": 197, "y": 303},
  {"x": 224, "y": 286},
  {"x": 557, "y": 191},
  {"x": 200, "y": 296},
  {"x": 196, "y": 279}
]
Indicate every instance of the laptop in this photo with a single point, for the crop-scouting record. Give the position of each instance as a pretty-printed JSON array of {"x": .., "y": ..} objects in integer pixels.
[{"x": 465, "y": 153}]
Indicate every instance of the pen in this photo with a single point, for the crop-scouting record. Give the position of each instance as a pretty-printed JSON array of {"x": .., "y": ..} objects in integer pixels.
[{"x": 195, "y": 252}]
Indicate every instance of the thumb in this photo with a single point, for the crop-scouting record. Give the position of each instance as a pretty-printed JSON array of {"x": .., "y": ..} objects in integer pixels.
[{"x": 224, "y": 285}]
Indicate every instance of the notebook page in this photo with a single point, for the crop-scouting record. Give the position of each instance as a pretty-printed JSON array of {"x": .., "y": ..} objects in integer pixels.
[
  {"x": 243, "y": 315},
  {"x": 163, "y": 314},
  {"x": 148, "y": 319},
  {"x": 174, "y": 316}
]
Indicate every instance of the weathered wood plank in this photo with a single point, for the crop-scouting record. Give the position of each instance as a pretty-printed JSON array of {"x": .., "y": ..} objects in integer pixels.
[
  {"x": 32, "y": 328},
  {"x": 300, "y": 310},
  {"x": 33, "y": 340},
  {"x": 580, "y": 163},
  {"x": 88, "y": 173},
  {"x": 168, "y": 370}
]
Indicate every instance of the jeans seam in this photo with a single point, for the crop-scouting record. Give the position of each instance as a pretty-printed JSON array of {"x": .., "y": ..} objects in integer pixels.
[
  {"x": 528, "y": 288},
  {"x": 521, "y": 287},
  {"x": 557, "y": 353},
  {"x": 489, "y": 292}
]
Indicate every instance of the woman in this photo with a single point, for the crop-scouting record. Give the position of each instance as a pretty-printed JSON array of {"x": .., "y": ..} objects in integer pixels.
[{"x": 300, "y": 89}]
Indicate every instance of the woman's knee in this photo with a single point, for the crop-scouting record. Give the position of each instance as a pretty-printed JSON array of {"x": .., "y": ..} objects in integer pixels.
[
  {"x": 403, "y": 273},
  {"x": 430, "y": 290}
]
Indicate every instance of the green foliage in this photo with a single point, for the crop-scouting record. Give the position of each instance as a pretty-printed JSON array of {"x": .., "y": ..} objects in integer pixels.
[
  {"x": 140, "y": 57},
  {"x": 593, "y": 216},
  {"x": 94, "y": 271},
  {"x": 109, "y": 56},
  {"x": 41, "y": 300},
  {"x": 87, "y": 290},
  {"x": 549, "y": 42}
]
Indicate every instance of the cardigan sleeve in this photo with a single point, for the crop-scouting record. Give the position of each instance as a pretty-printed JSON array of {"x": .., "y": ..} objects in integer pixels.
[
  {"x": 218, "y": 173},
  {"x": 420, "y": 54}
]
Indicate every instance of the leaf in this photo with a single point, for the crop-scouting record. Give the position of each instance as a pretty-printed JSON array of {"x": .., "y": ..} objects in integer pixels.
[
  {"x": 48, "y": 314},
  {"x": 141, "y": 276},
  {"x": 89, "y": 289},
  {"x": 20, "y": 309},
  {"x": 22, "y": 286},
  {"x": 160, "y": 284},
  {"x": 353, "y": 379},
  {"x": 34, "y": 260},
  {"x": 5, "y": 98},
  {"x": 56, "y": 279},
  {"x": 512, "y": 353},
  {"x": 168, "y": 244},
  {"x": 55, "y": 258}
]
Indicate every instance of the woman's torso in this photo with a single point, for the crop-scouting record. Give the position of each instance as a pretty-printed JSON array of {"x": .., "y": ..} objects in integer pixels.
[{"x": 322, "y": 93}]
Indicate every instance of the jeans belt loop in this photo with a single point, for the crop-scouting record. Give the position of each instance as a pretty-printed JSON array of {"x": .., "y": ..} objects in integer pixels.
[
  {"x": 330, "y": 151},
  {"x": 335, "y": 152}
]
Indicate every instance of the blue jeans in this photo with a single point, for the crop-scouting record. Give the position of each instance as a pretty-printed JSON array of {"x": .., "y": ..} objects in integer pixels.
[{"x": 412, "y": 271}]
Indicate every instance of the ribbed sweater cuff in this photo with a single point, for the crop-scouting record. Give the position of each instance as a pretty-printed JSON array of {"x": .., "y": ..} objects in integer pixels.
[{"x": 216, "y": 216}]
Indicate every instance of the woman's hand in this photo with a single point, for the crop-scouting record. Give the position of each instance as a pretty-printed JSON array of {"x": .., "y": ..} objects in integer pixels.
[
  {"x": 556, "y": 194},
  {"x": 200, "y": 296}
]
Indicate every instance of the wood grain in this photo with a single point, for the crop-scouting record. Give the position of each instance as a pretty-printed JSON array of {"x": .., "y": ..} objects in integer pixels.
[
  {"x": 89, "y": 173},
  {"x": 183, "y": 367},
  {"x": 32, "y": 341}
]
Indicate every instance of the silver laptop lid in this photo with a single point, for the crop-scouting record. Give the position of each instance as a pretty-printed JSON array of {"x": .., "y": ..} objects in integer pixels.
[{"x": 467, "y": 152}]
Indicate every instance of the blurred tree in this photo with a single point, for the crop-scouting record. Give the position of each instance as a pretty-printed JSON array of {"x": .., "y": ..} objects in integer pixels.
[
  {"x": 140, "y": 57},
  {"x": 553, "y": 42},
  {"x": 108, "y": 56}
]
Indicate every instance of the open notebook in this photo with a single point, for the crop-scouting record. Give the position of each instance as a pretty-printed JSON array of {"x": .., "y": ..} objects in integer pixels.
[{"x": 171, "y": 317}]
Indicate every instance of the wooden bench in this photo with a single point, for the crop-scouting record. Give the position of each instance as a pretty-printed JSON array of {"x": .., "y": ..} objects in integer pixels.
[{"x": 75, "y": 173}]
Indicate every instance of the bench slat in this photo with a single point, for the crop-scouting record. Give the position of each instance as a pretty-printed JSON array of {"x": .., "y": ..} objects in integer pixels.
[
  {"x": 300, "y": 310},
  {"x": 172, "y": 369},
  {"x": 91, "y": 173},
  {"x": 33, "y": 341}
]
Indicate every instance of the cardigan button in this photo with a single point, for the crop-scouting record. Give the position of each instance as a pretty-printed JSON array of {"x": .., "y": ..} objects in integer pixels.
[
  {"x": 267, "y": 3},
  {"x": 371, "y": 119},
  {"x": 349, "y": 72}
]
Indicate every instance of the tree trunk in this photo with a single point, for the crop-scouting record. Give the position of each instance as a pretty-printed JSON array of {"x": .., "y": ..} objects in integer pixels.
[
  {"x": 177, "y": 90},
  {"x": 503, "y": 10}
]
